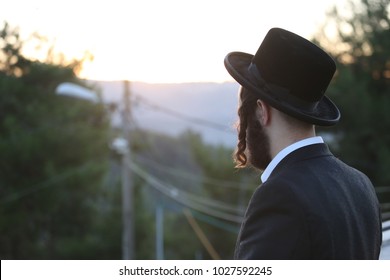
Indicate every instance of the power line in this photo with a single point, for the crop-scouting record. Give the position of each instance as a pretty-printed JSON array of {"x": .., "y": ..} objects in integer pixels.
[
  {"x": 187, "y": 199},
  {"x": 47, "y": 184},
  {"x": 187, "y": 175},
  {"x": 221, "y": 224},
  {"x": 209, "y": 202},
  {"x": 182, "y": 173},
  {"x": 182, "y": 116}
]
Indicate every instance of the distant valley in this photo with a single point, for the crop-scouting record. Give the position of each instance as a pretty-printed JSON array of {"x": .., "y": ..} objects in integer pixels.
[{"x": 207, "y": 108}]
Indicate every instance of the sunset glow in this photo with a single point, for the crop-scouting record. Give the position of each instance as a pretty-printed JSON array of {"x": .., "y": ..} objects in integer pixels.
[{"x": 160, "y": 41}]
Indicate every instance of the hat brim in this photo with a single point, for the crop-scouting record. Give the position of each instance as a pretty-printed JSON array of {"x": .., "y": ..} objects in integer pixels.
[{"x": 325, "y": 113}]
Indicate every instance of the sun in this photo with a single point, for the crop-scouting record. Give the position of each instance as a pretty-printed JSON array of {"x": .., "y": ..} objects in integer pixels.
[
  {"x": 162, "y": 41},
  {"x": 167, "y": 65}
]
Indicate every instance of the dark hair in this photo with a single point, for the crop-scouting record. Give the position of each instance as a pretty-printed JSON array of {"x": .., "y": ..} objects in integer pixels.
[{"x": 246, "y": 111}]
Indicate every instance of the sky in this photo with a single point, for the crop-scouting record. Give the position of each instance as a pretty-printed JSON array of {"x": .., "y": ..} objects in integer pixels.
[{"x": 160, "y": 41}]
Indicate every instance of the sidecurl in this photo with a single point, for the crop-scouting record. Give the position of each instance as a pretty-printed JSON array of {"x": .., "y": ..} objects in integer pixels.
[{"x": 246, "y": 111}]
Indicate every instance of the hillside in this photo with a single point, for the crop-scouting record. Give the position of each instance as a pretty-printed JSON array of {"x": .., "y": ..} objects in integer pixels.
[{"x": 206, "y": 108}]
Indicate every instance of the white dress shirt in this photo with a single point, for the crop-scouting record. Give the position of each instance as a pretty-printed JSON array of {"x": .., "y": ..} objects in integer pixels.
[{"x": 289, "y": 149}]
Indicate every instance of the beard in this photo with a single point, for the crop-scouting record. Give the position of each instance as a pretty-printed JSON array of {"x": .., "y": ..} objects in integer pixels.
[{"x": 258, "y": 149}]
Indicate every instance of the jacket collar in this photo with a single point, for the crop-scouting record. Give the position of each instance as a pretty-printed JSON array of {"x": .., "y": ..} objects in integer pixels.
[{"x": 298, "y": 154}]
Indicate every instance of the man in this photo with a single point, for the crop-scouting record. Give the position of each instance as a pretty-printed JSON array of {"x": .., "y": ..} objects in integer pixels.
[{"x": 310, "y": 205}]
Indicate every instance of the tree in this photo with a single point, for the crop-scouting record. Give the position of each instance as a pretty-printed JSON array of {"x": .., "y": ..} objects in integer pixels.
[
  {"x": 53, "y": 159},
  {"x": 361, "y": 87}
]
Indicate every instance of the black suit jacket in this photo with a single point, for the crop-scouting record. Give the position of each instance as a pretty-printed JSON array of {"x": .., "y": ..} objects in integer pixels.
[{"x": 313, "y": 206}]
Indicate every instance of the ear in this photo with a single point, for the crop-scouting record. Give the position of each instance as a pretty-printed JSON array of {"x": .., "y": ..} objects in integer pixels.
[{"x": 263, "y": 112}]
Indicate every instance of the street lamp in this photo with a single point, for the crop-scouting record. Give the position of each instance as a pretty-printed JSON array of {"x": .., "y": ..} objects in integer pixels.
[
  {"x": 76, "y": 91},
  {"x": 122, "y": 147}
]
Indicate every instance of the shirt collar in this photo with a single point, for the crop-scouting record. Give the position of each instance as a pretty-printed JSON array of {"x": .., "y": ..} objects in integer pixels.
[{"x": 289, "y": 149}]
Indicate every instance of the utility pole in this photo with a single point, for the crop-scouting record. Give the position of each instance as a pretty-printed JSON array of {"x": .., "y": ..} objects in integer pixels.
[
  {"x": 127, "y": 181},
  {"x": 159, "y": 229}
]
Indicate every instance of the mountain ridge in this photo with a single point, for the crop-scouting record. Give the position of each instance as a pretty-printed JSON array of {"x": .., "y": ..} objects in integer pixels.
[{"x": 207, "y": 108}]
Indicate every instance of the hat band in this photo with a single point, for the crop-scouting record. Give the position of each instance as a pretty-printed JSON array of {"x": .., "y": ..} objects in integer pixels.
[{"x": 280, "y": 94}]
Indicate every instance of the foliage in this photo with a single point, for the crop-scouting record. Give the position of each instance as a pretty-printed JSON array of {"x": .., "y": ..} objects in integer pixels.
[
  {"x": 59, "y": 199},
  {"x": 361, "y": 87},
  {"x": 53, "y": 152}
]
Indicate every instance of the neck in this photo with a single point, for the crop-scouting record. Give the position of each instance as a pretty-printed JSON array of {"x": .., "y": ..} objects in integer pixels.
[{"x": 282, "y": 138}]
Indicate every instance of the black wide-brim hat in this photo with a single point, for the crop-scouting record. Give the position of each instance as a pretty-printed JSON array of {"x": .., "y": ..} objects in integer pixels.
[{"x": 289, "y": 73}]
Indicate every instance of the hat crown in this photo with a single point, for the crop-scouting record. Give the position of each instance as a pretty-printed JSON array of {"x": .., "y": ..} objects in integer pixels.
[
  {"x": 287, "y": 60},
  {"x": 291, "y": 74}
]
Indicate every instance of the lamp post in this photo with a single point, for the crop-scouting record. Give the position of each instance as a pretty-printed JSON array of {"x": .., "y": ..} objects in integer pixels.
[
  {"x": 127, "y": 183},
  {"x": 122, "y": 146}
]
